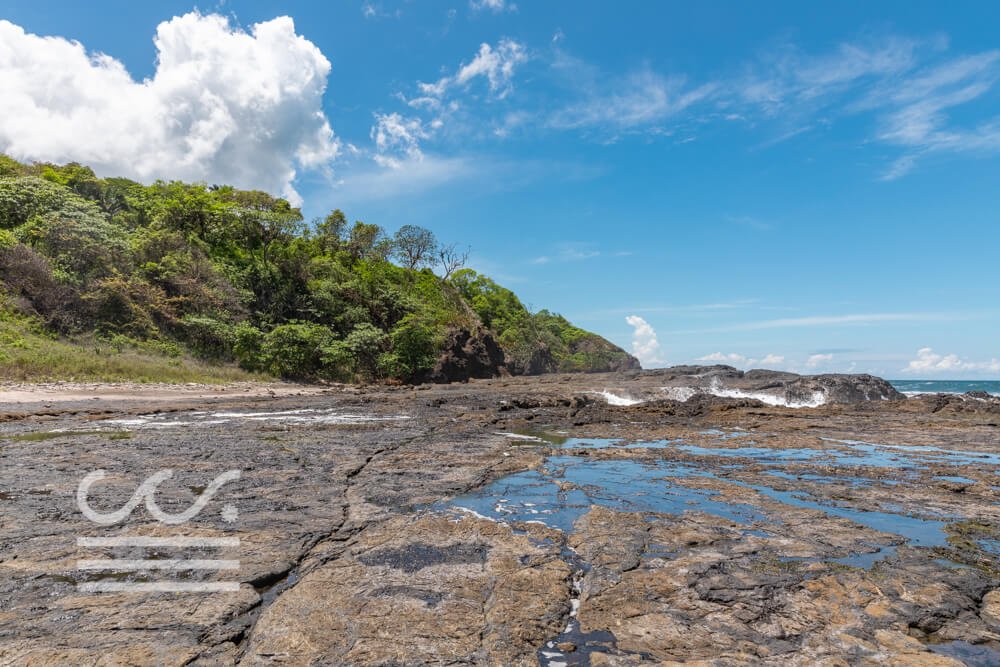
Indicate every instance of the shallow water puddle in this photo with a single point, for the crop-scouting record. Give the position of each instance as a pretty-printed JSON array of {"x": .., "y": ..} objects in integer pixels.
[
  {"x": 918, "y": 532},
  {"x": 568, "y": 485},
  {"x": 931, "y": 454}
]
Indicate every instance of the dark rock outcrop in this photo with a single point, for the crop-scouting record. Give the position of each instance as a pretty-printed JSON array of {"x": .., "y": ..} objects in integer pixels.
[
  {"x": 467, "y": 355},
  {"x": 779, "y": 387}
]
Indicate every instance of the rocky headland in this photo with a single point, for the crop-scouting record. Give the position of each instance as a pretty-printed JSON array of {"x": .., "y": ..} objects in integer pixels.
[{"x": 694, "y": 515}]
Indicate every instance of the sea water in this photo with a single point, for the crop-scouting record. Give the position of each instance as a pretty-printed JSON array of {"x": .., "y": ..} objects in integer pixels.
[{"x": 911, "y": 387}]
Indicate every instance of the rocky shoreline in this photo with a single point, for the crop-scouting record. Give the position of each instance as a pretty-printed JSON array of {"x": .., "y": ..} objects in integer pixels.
[{"x": 513, "y": 521}]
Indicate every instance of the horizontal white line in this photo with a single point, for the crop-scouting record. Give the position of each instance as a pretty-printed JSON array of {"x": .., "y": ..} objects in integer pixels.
[
  {"x": 159, "y": 587},
  {"x": 137, "y": 541},
  {"x": 158, "y": 564}
]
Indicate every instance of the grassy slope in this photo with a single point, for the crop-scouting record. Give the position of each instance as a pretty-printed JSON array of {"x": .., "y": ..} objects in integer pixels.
[{"x": 28, "y": 354}]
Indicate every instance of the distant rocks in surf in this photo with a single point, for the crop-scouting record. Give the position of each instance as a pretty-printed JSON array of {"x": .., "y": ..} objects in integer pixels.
[
  {"x": 778, "y": 387},
  {"x": 775, "y": 388}
]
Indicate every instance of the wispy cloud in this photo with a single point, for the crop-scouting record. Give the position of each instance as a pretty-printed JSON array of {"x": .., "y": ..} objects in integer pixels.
[
  {"x": 375, "y": 10},
  {"x": 398, "y": 137},
  {"x": 495, "y": 6},
  {"x": 569, "y": 252},
  {"x": 908, "y": 89},
  {"x": 641, "y": 98},
  {"x": 496, "y": 64},
  {"x": 831, "y": 320}
]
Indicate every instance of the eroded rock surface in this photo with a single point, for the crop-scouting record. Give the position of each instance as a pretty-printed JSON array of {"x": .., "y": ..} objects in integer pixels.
[{"x": 512, "y": 521}]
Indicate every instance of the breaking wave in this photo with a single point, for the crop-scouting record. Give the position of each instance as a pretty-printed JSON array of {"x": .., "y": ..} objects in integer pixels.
[
  {"x": 615, "y": 399},
  {"x": 683, "y": 394}
]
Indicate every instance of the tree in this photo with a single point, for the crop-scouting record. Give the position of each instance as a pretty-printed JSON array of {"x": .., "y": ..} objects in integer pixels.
[
  {"x": 330, "y": 231},
  {"x": 368, "y": 242},
  {"x": 451, "y": 259},
  {"x": 413, "y": 245}
]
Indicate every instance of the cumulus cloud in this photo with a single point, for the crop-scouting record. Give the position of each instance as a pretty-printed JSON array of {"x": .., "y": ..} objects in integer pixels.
[
  {"x": 928, "y": 361},
  {"x": 721, "y": 358},
  {"x": 645, "y": 347},
  {"x": 817, "y": 360},
  {"x": 742, "y": 361},
  {"x": 224, "y": 104}
]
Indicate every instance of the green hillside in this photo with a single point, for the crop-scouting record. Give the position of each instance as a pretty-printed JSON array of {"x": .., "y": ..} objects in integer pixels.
[{"x": 106, "y": 278}]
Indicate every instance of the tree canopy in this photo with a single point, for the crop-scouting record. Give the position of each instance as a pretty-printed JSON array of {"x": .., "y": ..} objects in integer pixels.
[{"x": 235, "y": 275}]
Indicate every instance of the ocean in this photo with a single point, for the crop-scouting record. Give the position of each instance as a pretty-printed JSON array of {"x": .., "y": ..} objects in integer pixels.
[{"x": 946, "y": 386}]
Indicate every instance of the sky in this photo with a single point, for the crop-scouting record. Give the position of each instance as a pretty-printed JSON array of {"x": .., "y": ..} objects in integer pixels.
[{"x": 809, "y": 187}]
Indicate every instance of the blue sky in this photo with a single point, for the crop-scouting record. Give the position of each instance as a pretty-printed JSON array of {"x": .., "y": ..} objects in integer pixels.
[{"x": 802, "y": 187}]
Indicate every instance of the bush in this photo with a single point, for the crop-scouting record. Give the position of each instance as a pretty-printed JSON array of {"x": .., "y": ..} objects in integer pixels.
[
  {"x": 28, "y": 277},
  {"x": 296, "y": 350},
  {"x": 360, "y": 353},
  {"x": 414, "y": 348},
  {"x": 209, "y": 338},
  {"x": 129, "y": 306},
  {"x": 79, "y": 241},
  {"x": 23, "y": 198},
  {"x": 248, "y": 345}
]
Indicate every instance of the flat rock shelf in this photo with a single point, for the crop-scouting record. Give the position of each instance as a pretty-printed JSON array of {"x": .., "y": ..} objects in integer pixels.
[{"x": 559, "y": 520}]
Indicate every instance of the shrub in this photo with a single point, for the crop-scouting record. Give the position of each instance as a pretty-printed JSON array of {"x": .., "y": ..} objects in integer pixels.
[
  {"x": 130, "y": 306},
  {"x": 28, "y": 276},
  {"x": 360, "y": 353},
  {"x": 414, "y": 347},
  {"x": 208, "y": 337},
  {"x": 296, "y": 350},
  {"x": 28, "y": 196},
  {"x": 248, "y": 344}
]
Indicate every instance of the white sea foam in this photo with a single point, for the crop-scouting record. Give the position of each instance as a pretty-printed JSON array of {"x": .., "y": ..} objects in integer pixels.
[
  {"x": 817, "y": 398},
  {"x": 683, "y": 394},
  {"x": 615, "y": 399}
]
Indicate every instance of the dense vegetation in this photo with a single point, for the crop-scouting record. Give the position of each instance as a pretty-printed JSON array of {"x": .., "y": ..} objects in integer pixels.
[{"x": 218, "y": 274}]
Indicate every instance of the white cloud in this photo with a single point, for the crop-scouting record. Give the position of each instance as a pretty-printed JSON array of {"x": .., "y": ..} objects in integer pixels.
[
  {"x": 859, "y": 319},
  {"x": 720, "y": 358},
  {"x": 495, "y": 63},
  {"x": 928, "y": 361},
  {"x": 817, "y": 360},
  {"x": 645, "y": 347},
  {"x": 397, "y": 139},
  {"x": 640, "y": 99},
  {"x": 741, "y": 361},
  {"x": 223, "y": 105},
  {"x": 437, "y": 108},
  {"x": 495, "y": 6},
  {"x": 411, "y": 176}
]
